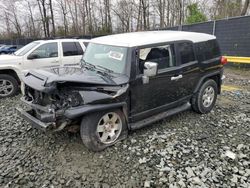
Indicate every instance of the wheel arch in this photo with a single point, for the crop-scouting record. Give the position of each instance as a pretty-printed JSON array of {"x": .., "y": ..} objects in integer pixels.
[
  {"x": 11, "y": 72},
  {"x": 85, "y": 110},
  {"x": 216, "y": 76}
]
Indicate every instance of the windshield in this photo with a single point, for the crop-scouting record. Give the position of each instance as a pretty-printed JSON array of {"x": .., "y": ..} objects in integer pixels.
[
  {"x": 22, "y": 51},
  {"x": 110, "y": 57}
]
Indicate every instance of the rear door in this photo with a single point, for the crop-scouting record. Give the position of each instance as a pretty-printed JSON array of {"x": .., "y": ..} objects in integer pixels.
[
  {"x": 72, "y": 53},
  {"x": 190, "y": 70}
]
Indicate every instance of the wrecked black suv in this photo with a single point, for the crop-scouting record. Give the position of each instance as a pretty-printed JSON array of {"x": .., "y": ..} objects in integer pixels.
[{"x": 125, "y": 82}]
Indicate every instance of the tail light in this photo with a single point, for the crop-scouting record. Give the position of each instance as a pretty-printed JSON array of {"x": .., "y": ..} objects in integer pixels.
[{"x": 223, "y": 60}]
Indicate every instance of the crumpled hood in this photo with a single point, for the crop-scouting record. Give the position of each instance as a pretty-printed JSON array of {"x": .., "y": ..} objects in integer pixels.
[
  {"x": 42, "y": 78},
  {"x": 9, "y": 59}
]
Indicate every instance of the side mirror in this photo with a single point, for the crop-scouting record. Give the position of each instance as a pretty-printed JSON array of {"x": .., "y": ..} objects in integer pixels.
[
  {"x": 150, "y": 69},
  {"x": 33, "y": 56}
]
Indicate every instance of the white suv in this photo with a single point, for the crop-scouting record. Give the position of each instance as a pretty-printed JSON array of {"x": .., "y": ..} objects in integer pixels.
[{"x": 35, "y": 55}]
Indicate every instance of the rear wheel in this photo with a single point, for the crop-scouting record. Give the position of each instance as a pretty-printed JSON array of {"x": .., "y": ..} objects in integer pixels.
[
  {"x": 102, "y": 129},
  {"x": 8, "y": 86},
  {"x": 204, "y": 100}
]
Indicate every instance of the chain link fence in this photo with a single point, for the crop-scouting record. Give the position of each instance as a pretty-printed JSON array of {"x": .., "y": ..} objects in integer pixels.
[{"x": 233, "y": 34}]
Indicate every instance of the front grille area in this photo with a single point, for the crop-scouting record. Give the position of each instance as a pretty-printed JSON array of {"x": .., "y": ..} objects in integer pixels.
[{"x": 58, "y": 100}]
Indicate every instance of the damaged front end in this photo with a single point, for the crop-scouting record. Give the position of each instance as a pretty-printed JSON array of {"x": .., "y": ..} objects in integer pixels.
[{"x": 55, "y": 105}]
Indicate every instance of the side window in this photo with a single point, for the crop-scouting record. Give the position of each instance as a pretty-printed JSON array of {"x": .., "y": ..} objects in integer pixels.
[
  {"x": 186, "y": 52},
  {"x": 71, "y": 49},
  {"x": 48, "y": 50},
  {"x": 163, "y": 55},
  {"x": 207, "y": 50},
  {"x": 211, "y": 49},
  {"x": 79, "y": 48}
]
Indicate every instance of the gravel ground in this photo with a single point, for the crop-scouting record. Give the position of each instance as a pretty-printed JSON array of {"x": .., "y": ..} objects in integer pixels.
[{"x": 186, "y": 150}]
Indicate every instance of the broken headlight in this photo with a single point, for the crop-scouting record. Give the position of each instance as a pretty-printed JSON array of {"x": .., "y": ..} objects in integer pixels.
[{"x": 73, "y": 99}]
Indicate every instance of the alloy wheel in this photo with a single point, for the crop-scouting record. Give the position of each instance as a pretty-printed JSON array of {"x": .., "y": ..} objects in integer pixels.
[
  {"x": 109, "y": 128},
  {"x": 6, "y": 87},
  {"x": 208, "y": 96}
]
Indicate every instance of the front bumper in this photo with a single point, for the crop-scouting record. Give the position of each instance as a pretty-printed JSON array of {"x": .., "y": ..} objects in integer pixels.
[{"x": 36, "y": 123}]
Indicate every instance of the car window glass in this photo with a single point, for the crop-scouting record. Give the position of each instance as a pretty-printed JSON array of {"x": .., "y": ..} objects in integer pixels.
[
  {"x": 79, "y": 48},
  {"x": 207, "y": 50},
  {"x": 162, "y": 55},
  {"x": 186, "y": 52},
  {"x": 71, "y": 49},
  {"x": 27, "y": 48},
  {"x": 211, "y": 49},
  {"x": 110, "y": 57},
  {"x": 48, "y": 50}
]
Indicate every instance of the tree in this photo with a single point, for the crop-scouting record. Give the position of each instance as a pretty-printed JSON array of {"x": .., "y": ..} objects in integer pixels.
[
  {"x": 194, "y": 14},
  {"x": 44, "y": 17},
  {"x": 63, "y": 7},
  {"x": 52, "y": 18},
  {"x": 245, "y": 7},
  {"x": 33, "y": 28}
]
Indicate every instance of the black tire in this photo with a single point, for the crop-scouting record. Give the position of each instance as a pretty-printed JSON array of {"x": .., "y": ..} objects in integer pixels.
[
  {"x": 89, "y": 132},
  {"x": 197, "y": 100},
  {"x": 13, "y": 81}
]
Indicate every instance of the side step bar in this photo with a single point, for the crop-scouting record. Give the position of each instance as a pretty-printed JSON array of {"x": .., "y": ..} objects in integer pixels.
[{"x": 152, "y": 119}]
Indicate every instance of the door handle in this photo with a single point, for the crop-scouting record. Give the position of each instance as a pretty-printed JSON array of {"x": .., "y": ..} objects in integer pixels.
[
  {"x": 176, "y": 77},
  {"x": 56, "y": 61}
]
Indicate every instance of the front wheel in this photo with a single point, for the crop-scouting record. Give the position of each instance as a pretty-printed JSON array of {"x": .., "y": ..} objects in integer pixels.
[
  {"x": 204, "y": 100},
  {"x": 8, "y": 86},
  {"x": 102, "y": 129}
]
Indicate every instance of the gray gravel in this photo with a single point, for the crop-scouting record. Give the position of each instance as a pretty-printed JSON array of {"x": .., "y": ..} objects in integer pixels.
[{"x": 186, "y": 150}]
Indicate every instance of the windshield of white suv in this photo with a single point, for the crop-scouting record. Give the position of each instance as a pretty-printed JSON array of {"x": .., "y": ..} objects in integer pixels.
[
  {"x": 110, "y": 57},
  {"x": 22, "y": 51}
]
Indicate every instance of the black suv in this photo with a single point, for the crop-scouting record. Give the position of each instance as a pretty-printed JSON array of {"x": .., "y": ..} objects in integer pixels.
[{"x": 125, "y": 82}]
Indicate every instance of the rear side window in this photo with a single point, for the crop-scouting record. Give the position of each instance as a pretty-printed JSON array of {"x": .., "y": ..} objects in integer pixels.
[
  {"x": 207, "y": 50},
  {"x": 186, "y": 52},
  {"x": 71, "y": 49}
]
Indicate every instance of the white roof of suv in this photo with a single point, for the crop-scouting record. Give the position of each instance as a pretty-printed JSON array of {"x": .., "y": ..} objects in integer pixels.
[
  {"x": 63, "y": 40},
  {"x": 151, "y": 37}
]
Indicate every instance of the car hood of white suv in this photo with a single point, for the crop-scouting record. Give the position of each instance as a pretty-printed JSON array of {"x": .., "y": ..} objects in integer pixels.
[{"x": 6, "y": 59}]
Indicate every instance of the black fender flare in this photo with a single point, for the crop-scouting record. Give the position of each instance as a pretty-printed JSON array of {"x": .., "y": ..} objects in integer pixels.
[
  {"x": 219, "y": 72},
  {"x": 73, "y": 113}
]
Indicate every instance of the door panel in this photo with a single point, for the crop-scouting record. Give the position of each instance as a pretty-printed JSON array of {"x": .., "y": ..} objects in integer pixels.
[
  {"x": 191, "y": 74},
  {"x": 46, "y": 55},
  {"x": 190, "y": 70},
  {"x": 162, "y": 89},
  {"x": 159, "y": 91}
]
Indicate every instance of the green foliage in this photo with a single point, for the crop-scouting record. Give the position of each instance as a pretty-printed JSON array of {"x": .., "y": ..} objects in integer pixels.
[{"x": 195, "y": 15}]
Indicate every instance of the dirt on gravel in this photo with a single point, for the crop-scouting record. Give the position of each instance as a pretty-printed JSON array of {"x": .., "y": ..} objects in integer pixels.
[{"x": 185, "y": 150}]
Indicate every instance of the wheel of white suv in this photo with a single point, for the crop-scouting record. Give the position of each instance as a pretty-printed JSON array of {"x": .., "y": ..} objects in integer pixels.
[
  {"x": 204, "y": 100},
  {"x": 8, "y": 86},
  {"x": 102, "y": 129}
]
